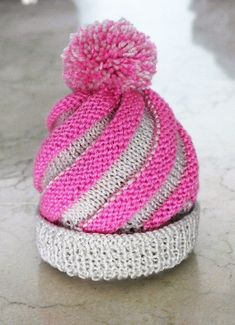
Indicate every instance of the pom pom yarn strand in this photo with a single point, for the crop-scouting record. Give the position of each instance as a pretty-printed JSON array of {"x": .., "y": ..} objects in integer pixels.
[{"x": 109, "y": 55}]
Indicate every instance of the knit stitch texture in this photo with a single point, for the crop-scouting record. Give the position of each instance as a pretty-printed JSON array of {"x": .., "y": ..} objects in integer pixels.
[{"x": 115, "y": 161}]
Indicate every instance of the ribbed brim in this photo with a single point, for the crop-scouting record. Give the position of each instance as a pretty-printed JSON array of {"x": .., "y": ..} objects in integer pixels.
[{"x": 98, "y": 256}]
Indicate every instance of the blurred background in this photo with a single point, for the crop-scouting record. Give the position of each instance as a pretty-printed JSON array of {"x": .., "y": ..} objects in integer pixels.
[{"x": 196, "y": 76}]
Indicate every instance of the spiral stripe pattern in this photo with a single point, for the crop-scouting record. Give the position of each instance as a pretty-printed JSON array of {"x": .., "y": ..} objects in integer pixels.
[{"x": 125, "y": 165}]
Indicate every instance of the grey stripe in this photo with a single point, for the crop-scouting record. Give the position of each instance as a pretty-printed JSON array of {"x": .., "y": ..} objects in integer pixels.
[
  {"x": 63, "y": 117},
  {"x": 116, "y": 177},
  {"x": 67, "y": 157},
  {"x": 188, "y": 206},
  {"x": 160, "y": 197}
]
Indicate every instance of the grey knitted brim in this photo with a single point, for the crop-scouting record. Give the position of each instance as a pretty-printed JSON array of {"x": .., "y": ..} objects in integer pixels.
[{"x": 100, "y": 256}]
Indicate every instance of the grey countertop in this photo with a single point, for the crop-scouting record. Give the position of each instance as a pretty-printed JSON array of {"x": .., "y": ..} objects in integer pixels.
[{"x": 196, "y": 75}]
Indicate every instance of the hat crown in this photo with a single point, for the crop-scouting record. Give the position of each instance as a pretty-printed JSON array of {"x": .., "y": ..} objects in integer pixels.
[{"x": 116, "y": 159}]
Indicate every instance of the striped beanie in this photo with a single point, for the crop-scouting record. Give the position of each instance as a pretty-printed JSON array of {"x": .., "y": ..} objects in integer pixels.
[{"x": 117, "y": 173}]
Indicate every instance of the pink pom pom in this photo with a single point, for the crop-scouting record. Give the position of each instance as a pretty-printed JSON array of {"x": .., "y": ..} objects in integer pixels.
[{"x": 109, "y": 55}]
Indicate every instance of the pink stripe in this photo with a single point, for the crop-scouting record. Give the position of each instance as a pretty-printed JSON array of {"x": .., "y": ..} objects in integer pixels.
[
  {"x": 186, "y": 191},
  {"x": 65, "y": 190},
  {"x": 65, "y": 106},
  {"x": 90, "y": 112},
  {"x": 123, "y": 207}
]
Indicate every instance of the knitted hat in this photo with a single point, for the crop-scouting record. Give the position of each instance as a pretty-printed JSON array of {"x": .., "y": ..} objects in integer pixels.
[{"x": 118, "y": 174}]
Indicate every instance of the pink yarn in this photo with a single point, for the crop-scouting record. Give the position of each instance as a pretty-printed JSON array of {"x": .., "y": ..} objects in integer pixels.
[
  {"x": 185, "y": 192},
  {"x": 120, "y": 210},
  {"x": 64, "y": 108},
  {"x": 109, "y": 55},
  {"x": 75, "y": 126},
  {"x": 108, "y": 66},
  {"x": 64, "y": 191}
]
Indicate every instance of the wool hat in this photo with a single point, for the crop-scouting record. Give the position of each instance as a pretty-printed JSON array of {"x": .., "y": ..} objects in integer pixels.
[{"x": 117, "y": 173}]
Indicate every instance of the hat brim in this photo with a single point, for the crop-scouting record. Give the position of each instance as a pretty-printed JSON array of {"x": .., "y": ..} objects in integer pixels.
[{"x": 117, "y": 256}]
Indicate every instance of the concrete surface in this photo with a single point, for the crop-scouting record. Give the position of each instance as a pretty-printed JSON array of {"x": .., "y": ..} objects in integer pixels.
[{"x": 196, "y": 73}]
